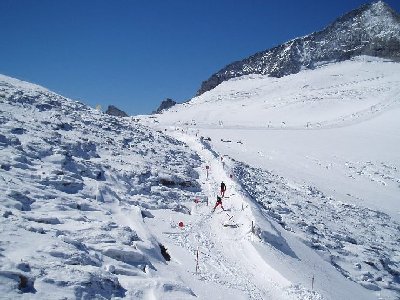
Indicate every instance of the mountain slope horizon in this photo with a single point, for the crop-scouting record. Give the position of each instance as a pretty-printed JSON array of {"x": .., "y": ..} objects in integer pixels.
[{"x": 373, "y": 29}]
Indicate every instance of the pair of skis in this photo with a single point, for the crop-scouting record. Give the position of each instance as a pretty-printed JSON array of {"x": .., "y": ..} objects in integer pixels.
[{"x": 233, "y": 223}]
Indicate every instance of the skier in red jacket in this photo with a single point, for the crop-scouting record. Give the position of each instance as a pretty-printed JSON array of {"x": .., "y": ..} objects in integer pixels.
[{"x": 219, "y": 202}]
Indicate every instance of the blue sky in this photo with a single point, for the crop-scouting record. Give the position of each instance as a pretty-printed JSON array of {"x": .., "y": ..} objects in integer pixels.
[{"x": 133, "y": 54}]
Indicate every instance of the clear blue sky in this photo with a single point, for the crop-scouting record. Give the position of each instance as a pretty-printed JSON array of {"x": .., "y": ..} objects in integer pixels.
[{"x": 133, "y": 54}]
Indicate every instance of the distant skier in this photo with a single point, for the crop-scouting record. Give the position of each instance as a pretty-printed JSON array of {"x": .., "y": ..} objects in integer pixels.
[
  {"x": 219, "y": 202},
  {"x": 223, "y": 189}
]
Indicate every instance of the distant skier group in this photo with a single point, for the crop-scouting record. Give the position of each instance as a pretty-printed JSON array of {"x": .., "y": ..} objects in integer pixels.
[{"x": 219, "y": 197}]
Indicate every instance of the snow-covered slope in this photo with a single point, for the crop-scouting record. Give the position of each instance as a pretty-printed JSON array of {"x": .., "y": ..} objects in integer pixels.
[
  {"x": 98, "y": 207},
  {"x": 91, "y": 204},
  {"x": 373, "y": 29},
  {"x": 317, "y": 152},
  {"x": 76, "y": 186}
]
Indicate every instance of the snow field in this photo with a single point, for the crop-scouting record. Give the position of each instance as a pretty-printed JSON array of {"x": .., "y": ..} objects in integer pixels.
[{"x": 317, "y": 153}]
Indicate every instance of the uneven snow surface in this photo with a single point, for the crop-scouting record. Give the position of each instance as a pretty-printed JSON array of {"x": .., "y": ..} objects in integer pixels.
[
  {"x": 99, "y": 207},
  {"x": 75, "y": 188}
]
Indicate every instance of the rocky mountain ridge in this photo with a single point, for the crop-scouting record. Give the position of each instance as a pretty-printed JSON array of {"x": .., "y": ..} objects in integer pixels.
[{"x": 373, "y": 29}]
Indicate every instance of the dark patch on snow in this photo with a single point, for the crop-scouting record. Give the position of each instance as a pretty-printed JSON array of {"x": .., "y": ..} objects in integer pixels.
[
  {"x": 5, "y": 167},
  {"x": 39, "y": 230},
  {"x": 175, "y": 183},
  {"x": 389, "y": 266},
  {"x": 372, "y": 264},
  {"x": 63, "y": 126},
  {"x": 275, "y": 240},
  {"x": 164, "y": 252},
  {"x": 146, "y": 214},
  {"x": 99, "y": 286},
  {"x": 167, "y": 182},
  {"x": 7, "y": 213},
  {"x": 17, "y": 280},
  {"x": 18, "y": 130},
  {"x": 44, "y": 107},
  {"x": 26, "y": 284},
  {"x": 4, "y": 141},
  {"x": 25, "y": 201},
  {"x": 23, "y": 266},
  {"x": 182, "y": 209},
  {"x": 44, "y": 220}
]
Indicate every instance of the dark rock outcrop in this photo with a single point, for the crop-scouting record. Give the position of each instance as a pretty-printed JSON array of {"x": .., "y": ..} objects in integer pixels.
[
  {"x": 373, "y": 29},
  {"x": 114, "y": 111},
  {"x": 166, "y": 104}
]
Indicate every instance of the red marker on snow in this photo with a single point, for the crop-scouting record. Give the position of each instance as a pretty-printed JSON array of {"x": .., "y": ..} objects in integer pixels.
[{"x": 180, "y": 224}]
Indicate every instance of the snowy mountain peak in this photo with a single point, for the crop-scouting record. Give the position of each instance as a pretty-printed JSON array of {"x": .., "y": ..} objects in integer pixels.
[
  {"x": 373, "y": 29},
  {"x": 379, "y": 8},
  {"x": 376, "y": 18}
]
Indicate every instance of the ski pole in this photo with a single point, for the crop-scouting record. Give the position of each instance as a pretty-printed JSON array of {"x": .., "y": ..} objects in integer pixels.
[{"x": 197, "y": 260}]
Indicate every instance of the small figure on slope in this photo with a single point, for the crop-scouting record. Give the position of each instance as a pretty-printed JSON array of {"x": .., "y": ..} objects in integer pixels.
[
  {"x": 223, "y": 189},
  {"x": 219, "y": 202}
]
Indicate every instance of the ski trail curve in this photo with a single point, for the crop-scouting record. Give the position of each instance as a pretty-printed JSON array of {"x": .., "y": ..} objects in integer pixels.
[{"x": 227, "y": 256}]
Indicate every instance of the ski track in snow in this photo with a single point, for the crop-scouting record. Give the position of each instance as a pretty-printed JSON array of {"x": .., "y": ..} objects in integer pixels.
[{"x": 220, "y": 251}]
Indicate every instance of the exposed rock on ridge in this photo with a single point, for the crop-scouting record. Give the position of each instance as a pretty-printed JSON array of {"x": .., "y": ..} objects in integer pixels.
[
  {"x": 114, "y": 111},
  {"x": 373, "y": 29},
  {"x": 167, "y": 103}
]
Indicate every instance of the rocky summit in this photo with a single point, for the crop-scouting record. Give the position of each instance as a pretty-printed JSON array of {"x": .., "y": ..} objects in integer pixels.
[
  {"x": 114, "y": 111},
  {"x": 373, "y": 29},
  {"x": 166, "y": 104}
]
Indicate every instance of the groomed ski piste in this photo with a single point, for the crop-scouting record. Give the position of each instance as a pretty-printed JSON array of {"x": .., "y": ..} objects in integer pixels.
[{"x": 242, "y": 252}]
